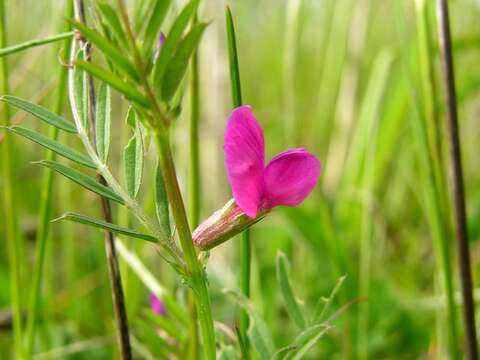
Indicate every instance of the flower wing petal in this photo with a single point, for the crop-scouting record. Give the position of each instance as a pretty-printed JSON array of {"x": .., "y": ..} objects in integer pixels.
[
  {"x": 290, "y": 177},
  {"x": 244, "y": 159}
]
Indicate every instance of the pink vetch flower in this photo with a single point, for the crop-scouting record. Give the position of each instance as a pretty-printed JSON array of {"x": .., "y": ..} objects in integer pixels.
[
  {"x": 157, "y": 305},
  {"x": 286, "y": 180}
]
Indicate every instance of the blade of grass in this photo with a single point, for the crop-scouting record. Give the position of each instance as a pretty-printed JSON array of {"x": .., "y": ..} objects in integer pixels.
[
  {"x": 53, "y": 145},
  {"x": 40, "y": 112},
  {"x": 245, "y": 246},
  {"x": 85, "y": 220},
  {"x": 194, "y": 179},
  {"x": 46, "y": 204},
  {"x": 457, "y": 179},
  {"x": 433, "y": 209},
  {"x": 37, "y": 42},
  {"x": 108, "y": 49},
  {"x": 433, "y": 141},
  {"x": 10, "y": 214},
  {"x": 86, "y": 181},
  {"x": 114, "y": 81}
]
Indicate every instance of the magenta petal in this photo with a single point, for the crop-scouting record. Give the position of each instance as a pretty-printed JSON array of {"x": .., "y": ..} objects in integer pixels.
[
  {"x": 244, "y": 159},
  {"x": 157, "y": 305},
  {"x": 290, "y": 177}
]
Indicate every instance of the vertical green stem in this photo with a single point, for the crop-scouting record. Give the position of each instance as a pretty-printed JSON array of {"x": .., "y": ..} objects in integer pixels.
[
  {"x": 245, "y": 246},
  {"x": 196, "y": 274},
  {"x": 118, "y": 299},
  {"x": 194, "y": 180},
  {"x": 13, "y": 239},
  {"x": 46, "y": 202},
  {"x": 432, "y": 143},
  {"x": 464, "y": 263}
]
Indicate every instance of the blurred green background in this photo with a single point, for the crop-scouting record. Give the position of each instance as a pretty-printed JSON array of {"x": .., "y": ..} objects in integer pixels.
[{"x": 344, "y": 79}]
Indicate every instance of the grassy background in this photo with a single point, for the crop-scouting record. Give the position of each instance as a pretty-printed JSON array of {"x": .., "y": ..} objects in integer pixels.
[{"x": 342, "y": 78}]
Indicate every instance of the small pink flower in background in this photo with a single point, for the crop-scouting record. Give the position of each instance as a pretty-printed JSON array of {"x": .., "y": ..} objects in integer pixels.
[
  {"x": 157, "y": 305},
  {"x": 286, "y": 180}
]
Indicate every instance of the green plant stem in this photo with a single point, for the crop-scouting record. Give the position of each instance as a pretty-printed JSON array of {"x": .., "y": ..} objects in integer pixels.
[
  {"x": 12, "y": 236},
  {"x": 196, "y": 275},
  {"x": 37, "y": 42},
  {"x": 245, "y": 246},
  {"x": 195, "y": 272},
  {"x": 460, "y": 212},
  {"x": 118, "y": 299},
  {"x": 46, "y": 203},
  {"x": 432, "y": 142},
  {"x": 194, "y": 182}
]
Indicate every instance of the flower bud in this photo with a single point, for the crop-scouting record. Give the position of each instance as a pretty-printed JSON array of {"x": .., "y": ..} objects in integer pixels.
[{"x": 222, "y": 225}]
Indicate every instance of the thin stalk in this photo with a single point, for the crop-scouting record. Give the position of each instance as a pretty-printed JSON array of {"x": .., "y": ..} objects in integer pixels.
[
  {"x": 37, "y": 42},
  {"x": 194, "y": 183},
  {"x": 245, "y": 245},
  {"x": 457, "y": 179},
  {"x": 195, "y": 272},
  {"x": 13, "y": 239},
  {"x": 432, "y": 144},
  {"x": 46, "y": 202},
  {"x": 118, "y": 299}
]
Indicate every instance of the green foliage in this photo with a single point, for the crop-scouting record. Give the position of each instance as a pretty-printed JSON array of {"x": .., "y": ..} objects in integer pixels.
[
  {"x": 354, "y": 82},
  {"x": 53, "y": 145},
  {"x": 133, "y": 156},
  {"x": 161, "y": 202},
  {"x": 85, "y": 220},
  {"x": 114, "y": 81},
  {"x": 83, "y": 180},
  {"x": 293, "y": 306},
  {"x": 152, "y": 31},
  {"x": 108, "y": 49},
  {"x": 177, "y": 66},
  {"x": 171, "y": 42},
  {"x": 103, "y": 122},
  {"x": 40, "y": 113}
]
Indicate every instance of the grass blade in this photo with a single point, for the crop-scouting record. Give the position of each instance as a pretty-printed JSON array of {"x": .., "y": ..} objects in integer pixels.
[
  {"x": 115, "y": 82},
  {"x": 113, "y": 21},
  {"x": 53, "y": 145},
  {"x": 178, "y": 64},
  {"x": 154, "y": 25},
  {"x": 40, "y": 113},
  {"x": 103, "y": 120},
  {"x": 86, "y": 181},
  {"x": 171, "y": 41},
  {"x": 33, "y": 43},
  {"x": 43, "y": 227},
  {"x": 245, "y": 246},
  {"x": 257, "y": 332},
  {"x": 108, "y": 49},
  {"x": 291, "y": 302},
  {"x": 463, "y": 246},
  {"x": 86, "y": 220},
  {"x": 14, "y": 243}
]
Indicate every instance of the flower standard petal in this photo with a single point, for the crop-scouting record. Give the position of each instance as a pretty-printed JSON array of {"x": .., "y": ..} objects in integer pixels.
[
  {"x": 290, "y": 177},
  {"x": 244, "y": 159}
]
